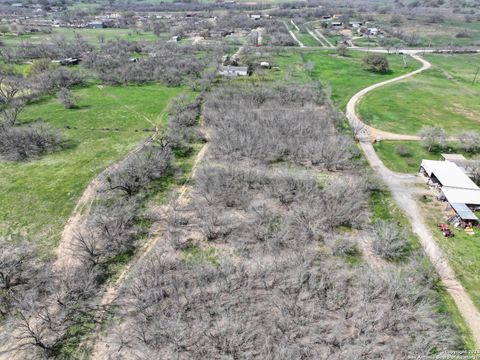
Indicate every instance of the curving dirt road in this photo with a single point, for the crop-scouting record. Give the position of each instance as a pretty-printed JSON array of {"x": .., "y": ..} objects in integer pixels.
[
  {"x": 366, "y": 131},
  {"x": 402, "y": 188}
]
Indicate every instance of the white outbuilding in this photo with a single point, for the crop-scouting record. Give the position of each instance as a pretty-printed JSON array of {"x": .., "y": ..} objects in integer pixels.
[{"x": 447, "y": 174}]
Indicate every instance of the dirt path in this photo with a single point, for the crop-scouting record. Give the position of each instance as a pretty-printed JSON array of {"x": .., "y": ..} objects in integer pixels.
[
  {"x": 293, "y": 36},
  {"x": 319, "y": 33},
  {"x": 64, "y": 258},
  {"x": 111, "y": 293},
  {"x": 312, "y": 34},
  {"x": 365, "y": 131},
  {"x": 402, "y": 188},
  {"x": 294, "y": 25}
]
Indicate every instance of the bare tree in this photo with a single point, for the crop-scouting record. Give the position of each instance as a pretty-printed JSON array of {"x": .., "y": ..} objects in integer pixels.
[
  {"x": 469, "y": 141},
  {"x": 67, "y": 98},
  {"x": 390, "y": 241},
  {"x": 342, "y": 50},
  {"x": 139, "y": 169},
  {"x": 433, "y": 137}
]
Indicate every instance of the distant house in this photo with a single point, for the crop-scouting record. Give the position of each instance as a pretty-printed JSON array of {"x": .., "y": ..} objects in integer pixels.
[
  {"x": 372, "y": 31},
  {"x": 96, "y": 25},
  {"x": 355, "y": 24},
  {"x": 446, "y": 174},
  {"x": 67, "y": 62},
  {"x": 256, "y": 16},
  {"x": 454, "y": 186},
  {"x": 265, "y": 65},
  {"x": 233, "y": 70},
  {"x": 220, "y": 33},
  {"x": 336, "y": 25}
]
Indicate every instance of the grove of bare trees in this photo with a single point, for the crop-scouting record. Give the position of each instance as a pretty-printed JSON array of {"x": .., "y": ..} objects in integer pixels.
[{"x": 268, "y": 275}]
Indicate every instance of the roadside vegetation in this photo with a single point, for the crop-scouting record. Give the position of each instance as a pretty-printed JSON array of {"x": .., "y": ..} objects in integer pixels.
[
  {"x": 406, "y": 156},
  {"x": 385, "y": 210},
  {"x": 462, "y": 250}
]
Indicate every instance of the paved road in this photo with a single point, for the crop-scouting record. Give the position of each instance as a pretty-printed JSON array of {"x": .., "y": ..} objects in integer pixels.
[{"x": 402, "y": 188}]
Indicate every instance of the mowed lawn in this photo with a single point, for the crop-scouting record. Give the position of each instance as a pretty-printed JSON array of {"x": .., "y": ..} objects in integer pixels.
[
  {"x": 406, "y": 156},
  {"x": 442, "y": 96},
  {"x": 344, "y": 76},
  {"x": 37, "y": 197}
]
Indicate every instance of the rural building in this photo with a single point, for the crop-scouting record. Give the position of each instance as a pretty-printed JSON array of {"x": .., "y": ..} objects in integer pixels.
[
  {"x": 463, "y": 212},
  {"x": 96, "y": 25},
  {"x": 458, "y": 159},
  {"x": 373, "y": 31},
  {"x": 219, "y": 33},
  {"x": 464, "y": 196},
  {"x": 461, "y": 193},
  {"x": 67, "y": 61},
  {"x": 336, "y": 25},
  {"x": 446, "y": 174},
  {"x": 233, "y": 70},
  {"x": 355, "y": 24}
]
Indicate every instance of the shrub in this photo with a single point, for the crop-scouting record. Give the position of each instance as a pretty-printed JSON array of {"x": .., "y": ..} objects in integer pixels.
[
  {"x": 342, "y": 50},
  {"x": 22, "y": 143},
  {"x": 376, "y": 62},
  {"x": 141, "y": 168},
  {"x": 344, "y": 246},
  {"x": 67, "y": 98},
  {"x": 433, "y": 137},
  {"x": 389, "y": 240},
  {"x": 469, "y": 141},
  {"x": 463, "y": 34},
  {"x": 402, "y": 150}
]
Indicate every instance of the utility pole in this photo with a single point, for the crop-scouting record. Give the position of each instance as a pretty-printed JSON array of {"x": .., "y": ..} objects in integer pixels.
[{"x": 476, "y": 74}]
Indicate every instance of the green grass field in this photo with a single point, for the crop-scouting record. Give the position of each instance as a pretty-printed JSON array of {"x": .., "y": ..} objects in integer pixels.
[
  {"x": 92, "y": 36},
  {"x": 366, "y": 42},
  {"x": 436, "y": 34},
  {"x": 344, "y": 76},
  {"x": 307, "y": 39},
  {"x": 406, "y": 156},
  {"x": 442, "y": 96},
  {"x": 38, "y": 196}
]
